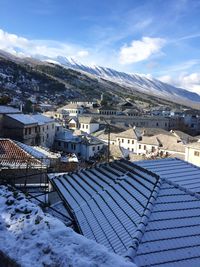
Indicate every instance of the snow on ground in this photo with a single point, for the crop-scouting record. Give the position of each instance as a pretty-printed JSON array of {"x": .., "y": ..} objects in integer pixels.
[{"x": 35, "y": 239}]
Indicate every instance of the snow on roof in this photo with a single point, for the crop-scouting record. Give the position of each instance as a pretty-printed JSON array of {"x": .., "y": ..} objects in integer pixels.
[
  {"x": 23, "y": 118},
  {"x": 111, "y": 221},
  {"x": 171, "y": 237},
  {"x": 175, "y": 170},
  {"x": 38, "y": 152},
  {"x": 41, "y": 119},
  {"x": 32, "y": 238},
  {"x": 8, "y": 109},
  {"x": 13, "y": 156},
  {"x": 149, "y": 212}
]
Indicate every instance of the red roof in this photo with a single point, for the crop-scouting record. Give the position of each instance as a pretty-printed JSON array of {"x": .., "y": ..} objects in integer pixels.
[{"x": 12, "y": 156}]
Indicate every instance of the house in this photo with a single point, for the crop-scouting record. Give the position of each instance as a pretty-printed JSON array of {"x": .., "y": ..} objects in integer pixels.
[
  {"x": 73, "y": 123},
  {"x": 148, "y": 212},
  {"x": 150, "y": 142},
  {"x": 21, "y": 127},
  {"x": 19, "y": 166},
  {"x": 84, "y": 103},
  {"x": 108, "y": 110},
  {"x": 192, "y": 153},
  {"x": 30, "y": 129},
  {"x": 148, "y": 145},
  {"x": 88, "y": 124},
  {"x": 171, "y": 145},
  {"x": 131, "y": 112},
  {"x": 3, "y": 111},
  {"x": 83, "y": 145},
  {"x": 45, "y": 130},
  {"x": 55, "y": 162},
  {"x": 127, "y": 139},
  {"x": 71, "y": 110}
]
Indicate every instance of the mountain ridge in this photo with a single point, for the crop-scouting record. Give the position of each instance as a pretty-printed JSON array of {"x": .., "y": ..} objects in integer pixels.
[
  {"x": 81, "y": 80},
  {"x": 140, "y": 81}
]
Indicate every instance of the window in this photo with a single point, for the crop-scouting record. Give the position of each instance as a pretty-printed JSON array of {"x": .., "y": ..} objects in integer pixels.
[
  {"x": 59, "y": 143},
  {"x": 145, "y": 147},
  {"x": 157, "y": 124},
  {"x": 122, "y": 140},
  {"x": 73, "y": 146},
  {"x": 65, "y": 145},
  {"x": 47, "y": 136},
  {"x": 93, "y": 148},
  {"x": 132, "y": 150},
  {"x": 83, "y": 126},
  {"x": 52, "y": 126},
  {"x": 86, "y": 126},
  {"x": 128, "y": 141},
  {"x": 153, "y": 149},
  {"x": 98, "y": 147},
  {"x": 47, "y": 127},
  {"x": 29, "y": 130},
  {"x": 132, "y": 142},
  {"x": 197, "y": 153},
  {"x": 26, "y": 131},
  {"x": 139, "y": 146}
]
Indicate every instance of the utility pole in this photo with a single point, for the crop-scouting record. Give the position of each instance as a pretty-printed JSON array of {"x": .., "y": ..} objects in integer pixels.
[
  {"x": 108, "y": 129},
  {"x": 108, "y": 153}
]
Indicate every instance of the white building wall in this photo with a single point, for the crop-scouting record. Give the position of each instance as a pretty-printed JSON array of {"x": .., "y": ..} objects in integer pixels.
[
  {"x": 143, "y": 149},
  {"x": 127, "y": 143},
  {"x": 192, "y": 155},
  {"x": 89, "y": 128},
  {"x": 47, "y": 134}
]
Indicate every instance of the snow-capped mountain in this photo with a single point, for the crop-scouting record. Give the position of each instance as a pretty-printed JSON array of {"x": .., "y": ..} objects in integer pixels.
[
  {"x": 139, "y": 82},
  {"x": 73, "y": 78}
]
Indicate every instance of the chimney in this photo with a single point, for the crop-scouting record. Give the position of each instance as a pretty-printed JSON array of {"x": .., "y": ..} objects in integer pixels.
[{"x": 20, "y": 108}]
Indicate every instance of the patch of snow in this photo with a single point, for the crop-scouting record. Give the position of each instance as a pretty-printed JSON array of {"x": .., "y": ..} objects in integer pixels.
[{"x": 35, "y": 239}]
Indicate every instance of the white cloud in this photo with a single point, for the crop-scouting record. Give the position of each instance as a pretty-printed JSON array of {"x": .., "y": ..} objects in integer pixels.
[
  {"x": 82, "y": 53},
  {"x": 23, "y": 47},
  {"x": 140, "y": 50},
  {"x": 190, "y": 82}
]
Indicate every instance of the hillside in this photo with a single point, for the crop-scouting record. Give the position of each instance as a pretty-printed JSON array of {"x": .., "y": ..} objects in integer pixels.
[{"x": 27, "y": 76}]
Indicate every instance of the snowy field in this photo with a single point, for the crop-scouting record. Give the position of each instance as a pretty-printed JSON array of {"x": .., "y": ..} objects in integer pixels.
[{"x": 35, "y": 239}]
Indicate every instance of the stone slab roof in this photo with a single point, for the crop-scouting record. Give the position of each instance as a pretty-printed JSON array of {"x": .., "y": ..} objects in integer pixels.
[{"x": 149, "y": 211}]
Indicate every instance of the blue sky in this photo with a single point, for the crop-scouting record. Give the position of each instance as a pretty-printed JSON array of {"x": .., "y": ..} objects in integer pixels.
[{"x": 159, "y": 38}]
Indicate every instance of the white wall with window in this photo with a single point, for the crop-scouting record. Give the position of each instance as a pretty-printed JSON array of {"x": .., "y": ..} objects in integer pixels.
[
  {"x": 127, "y": 143},
  {"x": 89, "y": 127},
  {"x": 192, "y": 153}
]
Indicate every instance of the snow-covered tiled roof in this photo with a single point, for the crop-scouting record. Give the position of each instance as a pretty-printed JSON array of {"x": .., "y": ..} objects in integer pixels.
[
  {"x": 149, "y": 212},
  {"x": 23, "y": 118},
  {"x": 108, "y": 201},
  {"x": 171, "y": 236},
  {"x": 41, "y": 119},
  {"x": 175, "y": 170},
  {"x": 12, "y": 156},
  {"x": 8, "y": 109}
]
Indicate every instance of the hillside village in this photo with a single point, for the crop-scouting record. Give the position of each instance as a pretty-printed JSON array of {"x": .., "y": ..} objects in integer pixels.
[{"x": 87, "y": 159}]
